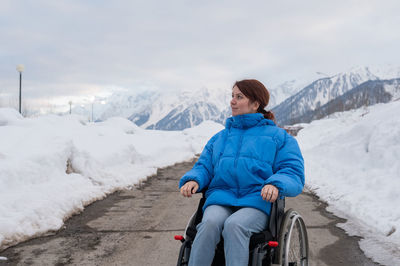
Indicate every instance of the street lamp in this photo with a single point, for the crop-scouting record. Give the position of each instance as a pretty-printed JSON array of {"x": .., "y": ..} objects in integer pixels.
[
  {"x": 92, "y": 110},
  {"x": 20, "y": 68}
]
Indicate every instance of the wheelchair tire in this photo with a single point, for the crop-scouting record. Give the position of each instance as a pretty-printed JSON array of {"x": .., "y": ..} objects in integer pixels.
[
  {"x": 184, "y": 254},
  {"x": 293, "y": 241}
]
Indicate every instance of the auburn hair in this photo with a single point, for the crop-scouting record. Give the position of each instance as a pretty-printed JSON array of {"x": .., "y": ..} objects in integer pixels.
[{"x": 256, "y": 92}]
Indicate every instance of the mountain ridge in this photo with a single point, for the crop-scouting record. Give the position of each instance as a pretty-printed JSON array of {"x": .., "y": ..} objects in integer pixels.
[{"x": 177, "y": 110}]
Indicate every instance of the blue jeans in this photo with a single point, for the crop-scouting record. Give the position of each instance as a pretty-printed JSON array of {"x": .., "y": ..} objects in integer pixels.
[{"x": 235, "y": 226}]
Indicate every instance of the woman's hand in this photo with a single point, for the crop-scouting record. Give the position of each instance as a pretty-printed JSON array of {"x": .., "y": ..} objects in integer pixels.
[
  {"x": 189, "y": 188},
  {"x": 269, "y": 193}
]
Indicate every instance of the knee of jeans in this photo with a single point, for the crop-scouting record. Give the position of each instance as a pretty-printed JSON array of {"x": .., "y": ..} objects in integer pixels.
[
  {"x": 233, "y": 227},
  {"x": 210, "y": 225}
]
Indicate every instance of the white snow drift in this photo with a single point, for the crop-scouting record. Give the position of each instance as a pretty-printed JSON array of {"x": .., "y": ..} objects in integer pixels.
[
  {"x": 353, "y": 163},
  {"x": 52, "y": 166}
]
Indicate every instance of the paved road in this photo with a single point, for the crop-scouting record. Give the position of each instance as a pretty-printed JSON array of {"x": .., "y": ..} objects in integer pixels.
[{"x": 136, "y": 227}]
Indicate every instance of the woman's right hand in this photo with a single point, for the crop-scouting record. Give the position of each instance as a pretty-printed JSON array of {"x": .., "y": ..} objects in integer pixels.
[{"x": 189, "y": 188}]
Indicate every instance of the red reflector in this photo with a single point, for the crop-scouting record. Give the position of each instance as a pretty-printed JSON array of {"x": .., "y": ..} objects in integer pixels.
[
  {"x": 177, "y": 237},
  {"x": 273, "y": 244}
]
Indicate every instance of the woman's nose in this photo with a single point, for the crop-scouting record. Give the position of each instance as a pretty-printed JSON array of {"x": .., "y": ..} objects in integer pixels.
[{"x": 233, "y": 101}]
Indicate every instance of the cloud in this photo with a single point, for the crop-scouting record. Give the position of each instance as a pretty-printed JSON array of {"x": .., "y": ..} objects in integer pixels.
[{"x": 83, "y": 47}]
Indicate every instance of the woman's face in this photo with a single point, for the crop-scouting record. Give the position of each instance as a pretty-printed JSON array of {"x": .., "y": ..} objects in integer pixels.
[{"x": 240, "y": 104}]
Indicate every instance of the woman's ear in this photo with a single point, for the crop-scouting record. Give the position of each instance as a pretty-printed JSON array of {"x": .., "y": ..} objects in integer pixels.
[{"x": 254, "y": 106}]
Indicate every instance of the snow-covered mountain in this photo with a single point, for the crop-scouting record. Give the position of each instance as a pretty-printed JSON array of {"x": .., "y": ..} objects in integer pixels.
[
  {"x": 324, "y": 90},
  {"x": 124, "y": 104},
  {"x": 177, "y": 110},
  {"x": 284, "y": 90},
  {"x": 174, "y": 110},
  {"x": 368, "y": 93},
  {"x": 387, "y": 71},
  {"x": 121, "y": 104},
  {"x": 167, "y": 110}
]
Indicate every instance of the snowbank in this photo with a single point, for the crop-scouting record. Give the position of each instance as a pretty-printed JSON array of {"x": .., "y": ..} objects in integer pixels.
[
  {"x": 52, "y": 166},
  {"x": 353, "y": 163}
]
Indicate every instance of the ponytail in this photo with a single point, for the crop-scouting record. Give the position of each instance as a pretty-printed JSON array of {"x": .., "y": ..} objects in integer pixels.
[{"x": 267, "y": 114}]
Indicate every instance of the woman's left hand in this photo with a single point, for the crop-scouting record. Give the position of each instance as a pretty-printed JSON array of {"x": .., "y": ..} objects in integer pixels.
[{"x": 269, "y": 193}]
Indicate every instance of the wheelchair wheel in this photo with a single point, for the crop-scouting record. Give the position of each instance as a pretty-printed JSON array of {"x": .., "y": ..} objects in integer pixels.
[
  {"x": 184, "y": 253},
  {"x": 293, "y": 240}
]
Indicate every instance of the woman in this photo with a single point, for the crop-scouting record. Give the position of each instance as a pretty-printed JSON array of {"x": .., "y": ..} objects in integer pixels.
[{"x": 246, "y": 166}]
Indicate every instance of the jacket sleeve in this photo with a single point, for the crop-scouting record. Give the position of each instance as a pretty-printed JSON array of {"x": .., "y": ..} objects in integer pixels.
[
  {"x": 203, "y": 170},
  {"x": 288, "y": 168}
]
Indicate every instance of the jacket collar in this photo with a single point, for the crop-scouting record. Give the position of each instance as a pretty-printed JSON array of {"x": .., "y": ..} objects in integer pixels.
[{"x": 247, "y": 120}]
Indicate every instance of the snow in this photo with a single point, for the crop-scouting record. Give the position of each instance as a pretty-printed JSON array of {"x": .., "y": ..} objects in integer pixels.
[
  {"x": 52, "y": 166},
  {"x": 385, "y": 71},
  {"x": 167, "y": 101},
  {"x": 393, "y": 89},
  {"x": 352, "y": 162},
  {"x": 286, "y": 89}
]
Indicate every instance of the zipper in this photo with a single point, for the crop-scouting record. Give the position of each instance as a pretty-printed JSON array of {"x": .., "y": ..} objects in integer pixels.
[
  {"x": 235, "y": 162},
  {"x": 239, "y": 148}
]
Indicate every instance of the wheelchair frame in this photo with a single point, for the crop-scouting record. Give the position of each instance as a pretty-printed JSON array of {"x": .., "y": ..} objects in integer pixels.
[{"x": 284, "y": 242}]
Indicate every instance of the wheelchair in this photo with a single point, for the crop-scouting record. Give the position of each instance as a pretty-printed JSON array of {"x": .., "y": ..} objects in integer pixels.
[{"x": 284, "y": 242}]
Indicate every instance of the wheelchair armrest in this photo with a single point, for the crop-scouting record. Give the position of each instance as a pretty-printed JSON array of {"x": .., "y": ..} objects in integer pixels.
[
  {"x": 276, "y": 215},
  {"x": 199, "y": 212},
  {"x": 203, "y": 191}
]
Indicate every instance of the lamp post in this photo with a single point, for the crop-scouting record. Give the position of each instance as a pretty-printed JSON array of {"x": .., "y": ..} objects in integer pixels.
[
  {"x": 20, "y": 68},
  {"x": 92, "y": 110}
]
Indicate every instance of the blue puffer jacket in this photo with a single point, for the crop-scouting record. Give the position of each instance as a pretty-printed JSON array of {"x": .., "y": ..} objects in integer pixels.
[{"x": 238, "y": 161}]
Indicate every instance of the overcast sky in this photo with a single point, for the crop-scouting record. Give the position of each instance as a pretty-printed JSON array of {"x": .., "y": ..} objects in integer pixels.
[{"x": 84, "y": 48}]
